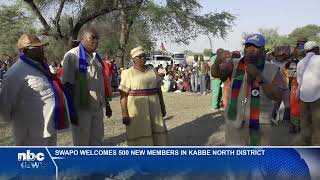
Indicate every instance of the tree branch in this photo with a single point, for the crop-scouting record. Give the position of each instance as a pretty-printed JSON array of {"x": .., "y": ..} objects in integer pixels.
[
  {"x": 38, "y": 14},
  {"x": 84, "y": 19},
  {"x": 57, "y": 18}
]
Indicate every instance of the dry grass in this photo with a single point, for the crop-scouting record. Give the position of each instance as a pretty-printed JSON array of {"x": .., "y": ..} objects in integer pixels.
[{"x": 189, "y": 120}]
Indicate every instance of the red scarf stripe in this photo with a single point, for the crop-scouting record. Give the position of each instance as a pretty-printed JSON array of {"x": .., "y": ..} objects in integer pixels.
[
  {"x": 61, "y": 105},
  {"x": 254, "y": 113},
  {"x": 235, "y": 93},
  {"x": 242, "y": 66},
  {"x": 142, "y": 94}
]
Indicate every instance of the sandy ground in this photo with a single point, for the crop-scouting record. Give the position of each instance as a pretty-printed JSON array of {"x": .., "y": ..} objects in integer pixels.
[{"x": 189, "y": 119}]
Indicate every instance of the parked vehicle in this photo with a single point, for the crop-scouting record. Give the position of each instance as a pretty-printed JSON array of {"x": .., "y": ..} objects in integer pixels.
[
  {"x": 156, "y": 60},
  {"x": 179, "y": 58}
]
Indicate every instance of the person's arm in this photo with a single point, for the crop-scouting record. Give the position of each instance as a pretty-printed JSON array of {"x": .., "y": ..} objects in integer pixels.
[
  {"x": 222, "y": 73},
  {"x": 124, "y": 107},
  {"x": 124, "y": 89},
  {"x": 273, "y": 90},
  {"x": 162, "y": 105},
  {"x": 123, "y": 103},
  {"x": 9, "y": 95},
  {"x": 68, "y": 78}
]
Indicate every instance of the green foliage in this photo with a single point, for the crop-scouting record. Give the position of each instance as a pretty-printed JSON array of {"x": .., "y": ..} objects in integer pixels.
[
  {"x": 182, "y": 22},
  {"x": 273, "y": 38},
  {"x": 311, "y": 32},
  {"x": 187, "y": 52},
  {"x": 207, "y": 52},
  {"x": 13, "y": 23},
  {"x": 55, "y": 50}
]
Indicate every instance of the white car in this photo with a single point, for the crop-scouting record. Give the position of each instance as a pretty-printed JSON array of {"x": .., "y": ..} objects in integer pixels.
[{"x": 156, "y": 60}]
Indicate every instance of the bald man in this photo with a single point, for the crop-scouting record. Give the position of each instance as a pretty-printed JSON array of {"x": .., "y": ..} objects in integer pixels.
[{"x": 83, "y": 75}]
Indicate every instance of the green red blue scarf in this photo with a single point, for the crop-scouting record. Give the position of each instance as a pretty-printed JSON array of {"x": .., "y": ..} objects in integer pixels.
[
  {"x": 63, "y": 109},
  {"x": 83, "y": 68},
  {"x": 254, "y": 103}
]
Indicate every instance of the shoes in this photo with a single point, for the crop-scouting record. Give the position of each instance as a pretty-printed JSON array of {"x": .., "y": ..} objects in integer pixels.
[{"x": 217, "y": 109}]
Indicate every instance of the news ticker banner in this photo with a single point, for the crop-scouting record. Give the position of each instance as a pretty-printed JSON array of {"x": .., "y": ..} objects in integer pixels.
[{"x": 58, "y": 162}]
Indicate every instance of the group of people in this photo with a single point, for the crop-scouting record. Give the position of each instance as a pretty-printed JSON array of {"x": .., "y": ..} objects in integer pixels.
[
  {"x": 39, "y": 102},
  {"x": 185, "y": 78},
  {"x": 259, "y": 82}
]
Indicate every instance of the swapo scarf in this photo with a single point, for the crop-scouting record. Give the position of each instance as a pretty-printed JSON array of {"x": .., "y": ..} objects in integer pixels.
[
  {"x": 254, "y": 103},
  {"x": 63, "y": 108},
  {"x": 83, "y": 68}
]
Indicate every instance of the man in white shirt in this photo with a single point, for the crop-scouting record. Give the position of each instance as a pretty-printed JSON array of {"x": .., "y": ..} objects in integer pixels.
[
  {"x": 89, "y": 130},
  {"x": 308, "y": 73}
]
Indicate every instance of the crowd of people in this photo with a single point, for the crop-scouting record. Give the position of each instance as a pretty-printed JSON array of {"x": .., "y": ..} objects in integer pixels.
[
  {"x": 257, "y": 90},
  {"x": 186, "y": 78}
]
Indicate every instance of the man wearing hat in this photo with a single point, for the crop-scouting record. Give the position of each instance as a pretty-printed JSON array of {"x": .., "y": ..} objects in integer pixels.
[
  {"x": 85, "y": 76},
  {"x": 142, "y": 103},
  {"x": 32, "y": 99},
  {"x": 254, "y": 84},
  {"x": 308, "y": 73}
]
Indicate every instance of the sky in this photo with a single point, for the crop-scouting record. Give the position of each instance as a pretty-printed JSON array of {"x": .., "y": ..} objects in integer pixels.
[{"x": 286, "y": 15}]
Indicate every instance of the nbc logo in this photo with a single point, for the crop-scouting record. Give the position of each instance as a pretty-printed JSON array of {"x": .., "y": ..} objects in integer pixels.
[{"x": 29, "y": 160}]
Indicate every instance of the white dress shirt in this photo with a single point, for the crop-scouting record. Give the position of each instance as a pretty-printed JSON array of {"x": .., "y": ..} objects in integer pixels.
[{"x": 309, "y": 79}]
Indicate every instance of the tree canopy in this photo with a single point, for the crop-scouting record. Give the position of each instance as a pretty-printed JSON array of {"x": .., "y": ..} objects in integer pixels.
[
  {"x": 13, "y": 22},
  {"x": 273, "y": 38},
  {"x": 138, "y": 21}
]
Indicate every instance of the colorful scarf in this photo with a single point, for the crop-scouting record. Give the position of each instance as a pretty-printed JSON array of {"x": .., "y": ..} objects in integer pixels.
[
  {"x": 63, "y": 108},
  {"x": 83, "y": 68},
  {"x": 254, "y": 103}
]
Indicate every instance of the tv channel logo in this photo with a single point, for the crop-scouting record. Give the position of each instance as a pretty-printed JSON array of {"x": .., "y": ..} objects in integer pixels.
[{"x": 30, "y": 160}]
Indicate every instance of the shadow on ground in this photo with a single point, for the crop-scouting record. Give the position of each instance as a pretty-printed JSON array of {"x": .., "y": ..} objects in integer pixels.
[{"x": 197, "y": 132}]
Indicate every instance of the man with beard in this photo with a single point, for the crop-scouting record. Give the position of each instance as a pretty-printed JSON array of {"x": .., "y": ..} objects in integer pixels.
[
  {"x": 84, "y": 75},
  {"x": 254, "y": 84}
]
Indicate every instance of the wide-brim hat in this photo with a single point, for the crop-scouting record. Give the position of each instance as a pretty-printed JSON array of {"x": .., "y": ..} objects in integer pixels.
[
  {"x": 137, "y": 51},
  {"x": 29, "y": 40}
]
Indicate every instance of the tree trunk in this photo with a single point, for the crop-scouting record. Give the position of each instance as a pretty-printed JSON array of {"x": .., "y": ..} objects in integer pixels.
[
  {"x": 126, "y": 19},
  {"x": 126, "y": 25}
]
